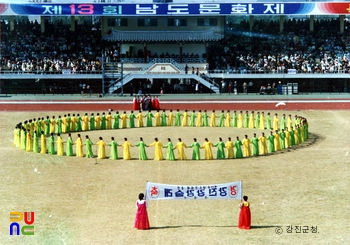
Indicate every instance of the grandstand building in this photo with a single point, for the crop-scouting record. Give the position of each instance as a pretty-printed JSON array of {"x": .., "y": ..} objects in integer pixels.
[{"x": 124, "y": 46}]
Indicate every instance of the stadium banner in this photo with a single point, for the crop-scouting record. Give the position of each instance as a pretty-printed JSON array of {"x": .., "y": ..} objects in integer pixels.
[
  {"x": 176, "y": 9},
  {"x": 158, "y": 191}
]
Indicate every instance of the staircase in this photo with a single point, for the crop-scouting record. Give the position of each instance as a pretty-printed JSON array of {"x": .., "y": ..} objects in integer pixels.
[{"x": 149, "y": 71}]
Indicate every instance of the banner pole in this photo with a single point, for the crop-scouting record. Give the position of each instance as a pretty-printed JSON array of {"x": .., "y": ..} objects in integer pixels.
[
  {"x": 241, "y": 190},
  {"x": 146, "y": 190}
]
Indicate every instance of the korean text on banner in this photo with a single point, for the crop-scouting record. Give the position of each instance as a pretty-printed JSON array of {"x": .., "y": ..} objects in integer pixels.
[{"x": 158, "y": 191}]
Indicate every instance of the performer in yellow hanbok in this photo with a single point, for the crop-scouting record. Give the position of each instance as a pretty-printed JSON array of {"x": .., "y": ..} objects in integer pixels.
[
  {"x": 16, "y": 136},
  {"x": 287, "y": 139},
  {"x": 157, "y": 118},
  {"x": 86, "y": 121},
  {"x": 124, "y": 118},
  {"x": 139, "y": 118},
  {"x": 101, "y": 154},
  {"x": 262, "y": 121},
  {"x": 43, "y": 143},
  {"x": 126, "y": 149},
  {"x": 208, "y": 154},
  {"x": 246, "y": 147},
  {"x": 29, "y": 142},
  {"x": 180, "y": 146},
  {"x": 158, "y": 154},
  {"x": 199, "y": 122},
  {"x": 185, "y": 119},
  {"x": 229, "y": 146},
  {"x": 109, "y": 121},
  {"x": 52, "y": 124},
  {"x": 98, "y": 120},
  {"x": 240, "y": 120},
  {"x": 64, "y": 123},
  {"x": 171, "y": 118},
  {"x": 73, "y": 123},
  {"x": 79, "y": 147},
  {"x": 228, "y": 119},
  {"x": 60, "y": 148},
  {"x": 289, "y": 121},
  {"x": 277, "y": 142},
  {"x": 275, "y": 122},
  {"x": 213, "y": 119},
  {"x": 251, "y": 121},
  {"x": 263, "y": 144},
  {"x": 296, "y": 136}
]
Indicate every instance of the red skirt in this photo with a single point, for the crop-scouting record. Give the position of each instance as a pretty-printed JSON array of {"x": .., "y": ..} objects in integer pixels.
[
  {"x": 244, "y": 218},
  {"x": 141, "y": 220}
]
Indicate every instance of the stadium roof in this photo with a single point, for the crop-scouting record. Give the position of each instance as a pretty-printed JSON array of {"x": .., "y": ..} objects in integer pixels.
[{"x": 208, "y": 35}]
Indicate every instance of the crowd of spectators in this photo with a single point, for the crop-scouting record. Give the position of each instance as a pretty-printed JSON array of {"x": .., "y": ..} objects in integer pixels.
[
  {"x": 264, "y": 50},
  {"x": 27, "y": 49},
  {"x": 296, "y": 49}
]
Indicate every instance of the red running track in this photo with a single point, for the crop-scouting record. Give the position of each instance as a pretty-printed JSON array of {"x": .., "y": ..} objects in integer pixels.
[{"x": 75, "y": 105}]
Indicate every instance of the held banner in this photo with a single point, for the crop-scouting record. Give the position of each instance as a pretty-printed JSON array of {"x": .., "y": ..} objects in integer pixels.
[{"x": 157, "y": 191}]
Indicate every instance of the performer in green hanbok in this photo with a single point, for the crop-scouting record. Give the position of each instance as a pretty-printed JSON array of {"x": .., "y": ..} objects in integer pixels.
[
  {"x": 195, "y": 150},
  {"x": 220, "y": 153},
  {"x": 246, "y": 120},
  {"x": 192, "y": 119},
  {"x": 78, "y": 123},
  {"x": 142, "y": 149},
  {"x": 59, "y": 125},
  {"x": 92, "y": 122},
  {"x": 177, "y": 118},
  {"x": 282, "y": 139},
  {"x": 47, "y": 123},
  {"x": 257, "y": 120},
  {"x": 149, "y": 117},
  {"x": 163, "y": 117},
  {"x": 103, "y": 121},
  {"x": 205, "y": 119},
  {"x": 51, "y": 148},
  {"x": 88, "y": 147},
  {"x": 69, "y": 146},
  {"x": 234, "y": 119},
  {"x": 69, "y": 121},
  {"x": 222, "y": 119},
  {"x": 268, "y": 122},
  {"x": 132, "y": 118},
  {"x": 271, "y": 143},
  {"x": 35, "y": 143},
  {"x": 116, "y": 120},
  {"x": 238, "y": 148},
  {"x": 255, "y": 145},
  {"x": 113, "y": 154},
  {"x": 283, "y": 123},
  {"x": 170, "y": 152}
]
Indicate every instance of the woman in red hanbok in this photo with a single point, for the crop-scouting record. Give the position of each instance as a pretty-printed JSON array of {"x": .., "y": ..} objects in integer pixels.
[
  {"x": 244, "y": 214},
  {"x": 141, "y": 220},
  {"x": 156, "y": 103},
  {"x": 136, "y": 104}
]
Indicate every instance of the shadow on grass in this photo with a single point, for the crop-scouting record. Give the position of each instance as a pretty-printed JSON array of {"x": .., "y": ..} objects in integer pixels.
[
  {"x": 213, "y": 226},
  {"x": 264, "y": 226}
]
